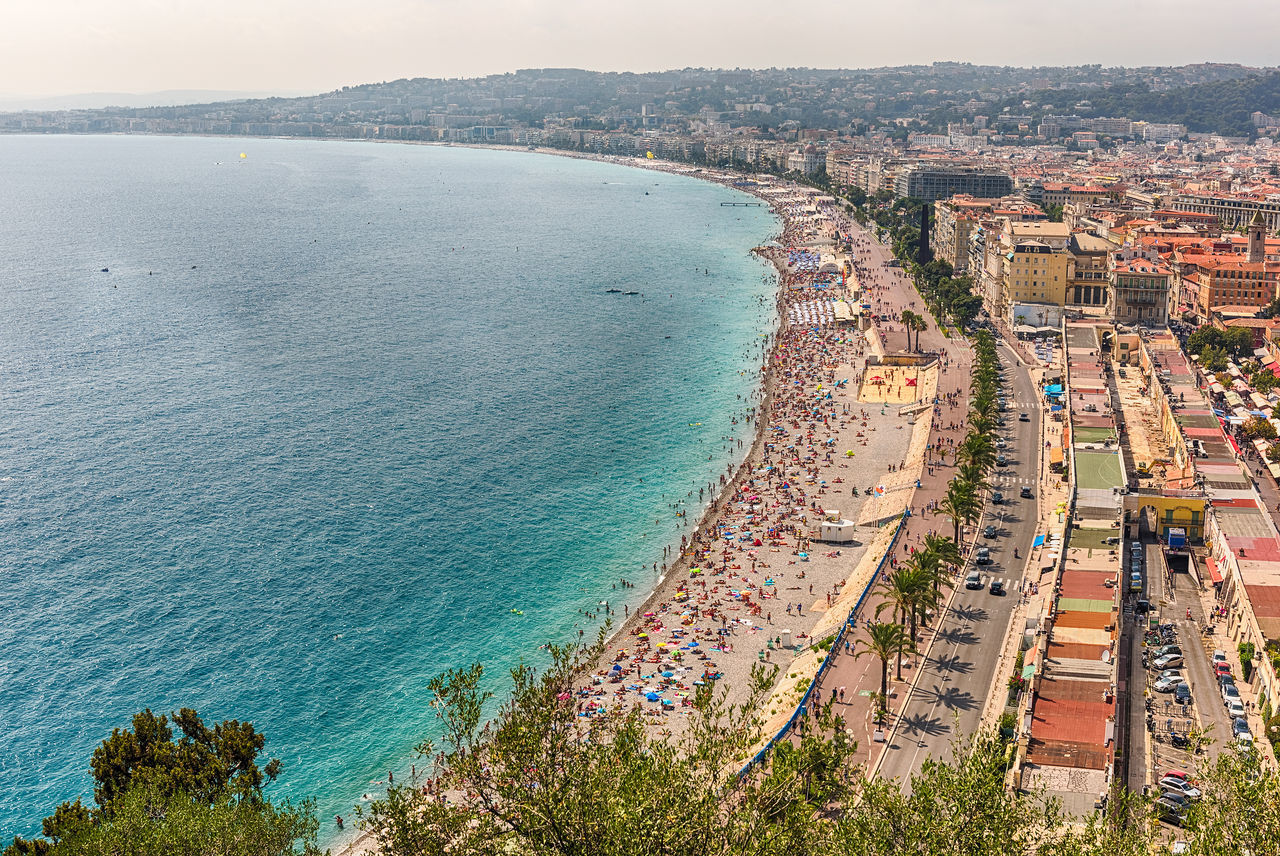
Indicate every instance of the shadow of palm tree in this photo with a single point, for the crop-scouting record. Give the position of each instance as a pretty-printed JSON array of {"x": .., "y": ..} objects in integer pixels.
[
  {"x": 951, "y": 664},
  {"x": 952, "y": 698},
  {"x": 969, "y": 612},
  {"x": 958, "y": 636},
  {"x": 920, "y": 724}
]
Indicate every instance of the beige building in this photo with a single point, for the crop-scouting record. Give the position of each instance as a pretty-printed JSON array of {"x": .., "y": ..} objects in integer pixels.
[
  {"x": 1088, "y": 285},
  {"x": 1036, "y": 264}
]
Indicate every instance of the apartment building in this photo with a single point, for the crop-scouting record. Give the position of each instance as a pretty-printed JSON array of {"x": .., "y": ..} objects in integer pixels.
[
  {"x": 1139, "y": 292},
  {"x": 1090, "y": 280}
]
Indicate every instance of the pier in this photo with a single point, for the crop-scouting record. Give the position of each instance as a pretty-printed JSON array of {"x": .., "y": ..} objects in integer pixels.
[{"x": 741, "y": 204}]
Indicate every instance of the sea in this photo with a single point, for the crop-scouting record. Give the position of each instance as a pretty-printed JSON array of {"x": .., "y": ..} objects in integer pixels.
[{"x": 289, "y": 427}]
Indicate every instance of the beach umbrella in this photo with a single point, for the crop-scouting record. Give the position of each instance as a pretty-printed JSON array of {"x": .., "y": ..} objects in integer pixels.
[{"x": 653, "y": 696}]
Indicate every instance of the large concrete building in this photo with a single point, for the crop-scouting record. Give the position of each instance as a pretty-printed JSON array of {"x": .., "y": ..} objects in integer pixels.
[{"x": 933, "y": 182}]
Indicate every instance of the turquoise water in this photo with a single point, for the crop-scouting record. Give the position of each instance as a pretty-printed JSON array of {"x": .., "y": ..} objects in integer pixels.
[{"x": 334, "y": 411}]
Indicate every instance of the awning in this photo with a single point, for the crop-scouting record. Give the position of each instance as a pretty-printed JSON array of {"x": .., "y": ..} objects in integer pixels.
[
  {"x": 1028, "y": 670},
  {"x": 1055, "y": 455},
  {"x": 1039, "y": 540},
  {"x": 1212, "y": 567}
]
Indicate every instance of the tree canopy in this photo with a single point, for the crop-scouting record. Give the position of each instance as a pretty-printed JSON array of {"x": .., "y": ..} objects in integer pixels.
[{"x": 199, "y": 793}]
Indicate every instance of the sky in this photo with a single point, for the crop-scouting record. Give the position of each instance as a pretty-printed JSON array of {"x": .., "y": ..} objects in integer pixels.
[{"x": 59, "y": 47}]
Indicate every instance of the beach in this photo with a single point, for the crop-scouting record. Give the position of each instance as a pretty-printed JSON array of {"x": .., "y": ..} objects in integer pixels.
[{"x": 835, "y": 440}]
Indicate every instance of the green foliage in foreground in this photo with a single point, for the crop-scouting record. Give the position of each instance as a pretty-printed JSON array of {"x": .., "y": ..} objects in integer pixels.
[
  {"x": 197, "y": 795},
  {"x": 539, "y": 779}
]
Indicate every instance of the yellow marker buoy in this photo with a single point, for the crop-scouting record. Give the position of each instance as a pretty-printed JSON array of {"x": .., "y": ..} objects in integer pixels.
[{"x": 243, "y": 155}]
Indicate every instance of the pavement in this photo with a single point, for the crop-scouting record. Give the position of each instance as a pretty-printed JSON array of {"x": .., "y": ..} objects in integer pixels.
[{"x": 947, "y": 685}]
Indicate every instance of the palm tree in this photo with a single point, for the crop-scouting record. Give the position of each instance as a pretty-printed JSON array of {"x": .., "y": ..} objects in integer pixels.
[
  {"x": 903, "y": 589},
  {"x": 960, "y": 504},
  {"x": 920, "y": 325},
  {"x": 908, "y": 320},
  {"x": 948, "y": 555},
  {"x": 973, "y": 476},
  {"x": 944, "y": 548},
  {"x": 977, "y": 449},
  {"x": 885, "y": 641}
]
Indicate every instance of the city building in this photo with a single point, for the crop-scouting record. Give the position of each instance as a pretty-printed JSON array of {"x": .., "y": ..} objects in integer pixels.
[
  {"x": 1090, "y": 280},
  {"x": 932, "y": 182},
  {"x": 1139, "y": 292}
]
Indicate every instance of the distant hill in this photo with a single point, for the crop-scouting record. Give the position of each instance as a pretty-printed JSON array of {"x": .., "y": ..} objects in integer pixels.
[
  {"x": 1218, "y": 107},
  {"x": 164, "y": 98}
]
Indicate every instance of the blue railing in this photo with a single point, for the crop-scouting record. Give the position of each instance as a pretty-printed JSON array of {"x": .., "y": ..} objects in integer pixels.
[{"x": 850, "y": 624}]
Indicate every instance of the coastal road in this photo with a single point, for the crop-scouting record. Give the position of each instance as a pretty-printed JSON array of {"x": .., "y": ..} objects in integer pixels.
[{"x": 948, "y": 699}]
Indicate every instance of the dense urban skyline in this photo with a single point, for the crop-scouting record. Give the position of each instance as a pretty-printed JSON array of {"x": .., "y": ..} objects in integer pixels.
[{"x": 287, "y": 47}]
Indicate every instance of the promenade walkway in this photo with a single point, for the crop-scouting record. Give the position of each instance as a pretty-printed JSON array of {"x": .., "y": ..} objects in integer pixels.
[{"x": 852, "y": 679}]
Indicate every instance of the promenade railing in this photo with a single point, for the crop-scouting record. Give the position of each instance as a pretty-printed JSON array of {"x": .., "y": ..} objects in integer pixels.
[{"x": 850, "y": 625}]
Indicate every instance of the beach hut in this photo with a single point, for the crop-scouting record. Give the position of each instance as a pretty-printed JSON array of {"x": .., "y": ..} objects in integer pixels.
[{"x": 840, "y": 531}]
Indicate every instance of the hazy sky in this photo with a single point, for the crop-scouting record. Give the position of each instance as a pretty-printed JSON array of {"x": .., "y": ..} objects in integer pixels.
[{"x": 50, "y": 47}]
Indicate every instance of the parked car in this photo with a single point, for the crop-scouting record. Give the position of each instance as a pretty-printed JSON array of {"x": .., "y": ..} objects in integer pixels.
[
  {"x": 982, "y": 556},
  {"x": 1169, "y": 810},
  {"x": 997, "y": 498},
  {"x": 1176, "y": 785},
  {"x": 973, "y": 580},
  {"x": 997, "y": 587},
  {"x": 1182, "y": 693},
  {"x": 1172, "y": 673},
  {"x": 1025, "y": 493},
  {"x": 1221, "y": 669},
  {"x": 1166, "y": 685},
  {"x": 1176, "y": 774},
  {"x": 1219, "y": 656},
  {"x": 1023, "y": 417},
  {"x": 1002, "y": 461},
  {"x": 1168, "y": 649},
  {"x": 1239, "y": 726},
  {"x": 1235, "y": 708},
  {"x": 1230, "y": 693},
  {"x": 989, "y": 531},
  {"x": 1168, "y": 661}
]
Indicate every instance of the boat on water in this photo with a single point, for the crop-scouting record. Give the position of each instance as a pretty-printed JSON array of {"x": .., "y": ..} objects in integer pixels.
[
  {"x": 629, "y": 293},
  {"x": 613, "y": 291}
]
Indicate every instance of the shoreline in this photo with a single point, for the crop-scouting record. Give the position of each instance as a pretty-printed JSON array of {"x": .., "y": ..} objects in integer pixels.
[
  {"x": 362, "y": 844},
  {"x": 853, "y": 575}
]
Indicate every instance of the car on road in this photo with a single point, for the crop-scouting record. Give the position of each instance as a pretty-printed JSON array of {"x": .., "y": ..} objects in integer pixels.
[
  {"x": 1240, "y": 726},
  {"x": 1168, "y": 661},
  {"x": 1167, "y": 684},
  {"x": 1180, "y": 786},
  {"x": 997, "y": 587},
  {"x": 1002, "y": 461},
  {"x": 1022, "y": 417},
  {"x": 1001, "y": 442},
  {"x": 1135, "y": 581},
  {"x": 989, "y": 531},
  {"x": 973, "y": 580},
  {"x": 1025, "y": 493},
  {"x": 1182, "y": 693},
  {"x": 982, "y": 556},
  {"x": 1219, "y": 656},
  {"x": 1230, "y": 693},
  {"x": 1221, "y": 669},
  {"x": 1235, "y": 708},
  {"x": 997, "y": 498}
]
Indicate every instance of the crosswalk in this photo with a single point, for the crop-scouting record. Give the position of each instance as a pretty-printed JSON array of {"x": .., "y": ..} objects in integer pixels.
[
  {"x": 1002, "y": 479},
  {"x": 1010, "y": 584}
]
